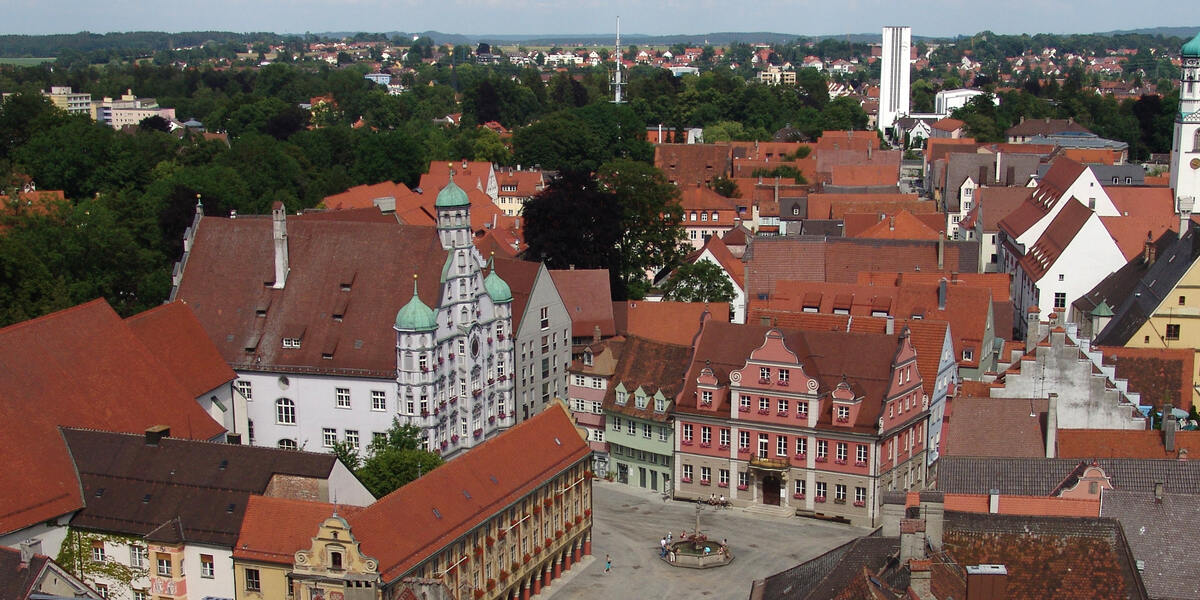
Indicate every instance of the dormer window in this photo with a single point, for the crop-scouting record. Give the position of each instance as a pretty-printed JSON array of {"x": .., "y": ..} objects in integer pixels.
[
  {"x": 660, "y": 404},
  {"x": 291, "y": 342},
  {"x": 587, "y": 357},
  {"x": 843, "y": 414},
  {"x": 640, "y": 400},
  {"x": 968, "y": 354},
  {"x": 706, "y": 398},
  {"x": 622, "y": 397}
]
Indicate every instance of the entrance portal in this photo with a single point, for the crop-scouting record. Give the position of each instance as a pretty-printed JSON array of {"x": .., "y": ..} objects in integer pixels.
[{"x": 770, "y": 490}]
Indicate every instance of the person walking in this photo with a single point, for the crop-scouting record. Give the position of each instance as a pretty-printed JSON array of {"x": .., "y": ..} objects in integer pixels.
[
  {"x": 662, "y": 543},
  {"x": 607, "y": 563}
]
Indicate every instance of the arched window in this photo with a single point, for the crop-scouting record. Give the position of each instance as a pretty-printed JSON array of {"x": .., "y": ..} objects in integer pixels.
[
  {"x": 1196, "y": 142},
  {"x": 285, "y": 412},
  {"x": 288, "y": 444}
]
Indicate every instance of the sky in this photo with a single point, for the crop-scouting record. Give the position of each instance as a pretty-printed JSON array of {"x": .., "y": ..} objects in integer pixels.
[{"x": 542, "y": 17}]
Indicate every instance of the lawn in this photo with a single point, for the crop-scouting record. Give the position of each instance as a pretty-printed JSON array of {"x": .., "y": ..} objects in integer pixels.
[{"x": 24, "y": 61}]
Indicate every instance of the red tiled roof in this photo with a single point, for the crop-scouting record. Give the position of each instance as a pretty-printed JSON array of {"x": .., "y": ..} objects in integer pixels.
[
  {"x": 938, "y": 148},
  {"x": 232, "y": 258},
  {"x": 947, "y": 124},
  {"x": 1119, "y": 443},
  {"x": 528, "y": 182},
  {"x": 588, "y": 298},
  {"x": 263, "y": 538},
  {"x": 1033, "y": 506},
  {"x": 666, "y": 322},
  {"x": 520, "y": 275},
  {"x": 865, "y": 175},
  {"x": 364, "y": 196},
  {"x": 79, "y": 367},
  {"x": 1158, "y": 374},
  {"x": 402, "y": 529},
  {"x": 472, "y": 176},
  {"x": 847, "y": 140},
  {"x": 699, "y": 197},
  {"x": 1061, "y": 175},
  {"x": 996, "y": 203},
  {"x": 693, "y": 163},
  {"x": 1033, "y": 127},
  {"x": 1103, "y": 156},
  {"x": 171, "y": 332},
  {"x": 1000, "y": 427},
  {"x": 903, "y": 226},
  {"x": 1131, "y": 233},
  {"x": 654, "y": 367},
  {"x": 999, "y": 283},
  {"x": 1058, "y": 235}
]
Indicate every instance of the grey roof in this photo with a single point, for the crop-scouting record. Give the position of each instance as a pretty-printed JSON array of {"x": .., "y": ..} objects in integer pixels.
[
  {"x": 828, "y": 575},
  {"x": 1162, "y": 535},
  {"x": 1105, "y": 173},
  {"x": 1120, "y": 284},
  {"x": 1078, "y": 140},
  {"x": 825, "y": 227},
  {"x": 1015, "y": 169},
  {"x": 1043, "y": 476},
  {"x": 1149, "y": 292}
]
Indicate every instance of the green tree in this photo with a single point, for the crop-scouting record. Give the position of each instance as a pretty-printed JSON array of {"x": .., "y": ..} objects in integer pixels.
[
  {"x": 395, "y": 460},
  {"x": 652, "y": 235},
  {"x": 347, "y": 452},
  {"x": 701, "y": 281},
  {"x": 572, "y": 223},
  {"x": 725, "y": 187}
]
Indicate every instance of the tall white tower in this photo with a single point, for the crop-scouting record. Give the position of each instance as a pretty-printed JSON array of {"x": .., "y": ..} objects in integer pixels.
[
  {"x": 894, "y": 78},
  {"x": 1185, "y": 145},
  {"x": 618, "y": 84}
]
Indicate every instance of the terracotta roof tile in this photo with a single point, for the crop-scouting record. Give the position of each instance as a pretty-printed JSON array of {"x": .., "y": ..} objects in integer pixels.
[
  {"x": 1033, "y": 127},
  {"x": 587, "y": 296},
  {"x": 652, "y": 366},
  {"x": 366, "y": 196},
  {"x": 262, "y": 539},
  {"x": 79, "y": 367},
  {"x": 693, "y": 163},
  {"x": 996, "y": 203},
  {"x": 666, "y": 322},
  {"x": 170, "y": 333},
  {"x": 520, "y": 275},
  {"x": 1158, "y": 374},
  {"x": 903, "y": 226},
  {"x": 719, "y": 250},
  {"x": 947, "y": 124},
  {"x": 402, "y": 529},
  {"x": 1114, "y": 443},
  {"x": 996, "y": 427},
  {"x": 468, "y": 175},
  {"x": 865, "y": 175}
]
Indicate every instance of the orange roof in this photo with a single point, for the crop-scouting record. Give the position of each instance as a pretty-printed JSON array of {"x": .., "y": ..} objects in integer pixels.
[
  {"x": 1032, "y": 506},
  {"x": 263, "y": 538},
  {"x": 999, "y": 283},
  {"x": 79, "y": 367},
  {"x": 865, "y": 175},
  {"x": 848, "y": 140},
  {"x": 1104, "y": 156},
  {"x": 1119, "y": 443},
  {"x": 699, "y": 197},
  {"x": 947, "y": 124},
  {"x": 170, "y": 332},
  {"x": 667, "y": 322},
  {"x": 364, "y": 196},
  {"x": 467, "y": 174},
  {"x": 410, "y": 524},
  {"x": 1130, "y": 233},
  {"x": 587, "y": 295},
  {"x": 903, "y": 226},
  {"x": 938, "y": 148},
  {"x": 1163, "y": 180}
]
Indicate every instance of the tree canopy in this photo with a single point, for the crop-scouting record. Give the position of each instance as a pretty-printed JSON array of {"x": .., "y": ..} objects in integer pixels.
[
  {"x": 393, "y": 460},
  {"x": 701, "y": 281}
]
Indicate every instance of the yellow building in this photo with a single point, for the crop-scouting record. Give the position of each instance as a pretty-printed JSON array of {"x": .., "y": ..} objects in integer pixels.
[
  {"x": 501, "y": 521},
  {"x": 1163, "y": 308}
]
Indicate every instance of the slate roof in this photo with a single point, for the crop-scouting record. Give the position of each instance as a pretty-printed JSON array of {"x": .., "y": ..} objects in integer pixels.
[
  {"x": 231, "y": 259},
  {"x": 79, "y": 367},
  {"x": 588, "y": 298},
  {"x": 1162, "y": 536},
  {"x": 996, "y": 427},
  {"x": 654, "y": 367},
  {"x": 415, "y": 521},
  {"x": 1015, "y": 170},
  {"x": 170, "y": 333},
  {"x": 1120, "y": 284},
  {"x": 1041, "y": 476},
  {"x": 180, "y": 490},
  {"x": 827, "y": 575},
  {"x": 1162, "y": 276}
]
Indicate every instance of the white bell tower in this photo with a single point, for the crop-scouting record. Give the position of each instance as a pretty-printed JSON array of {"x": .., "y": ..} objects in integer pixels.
[{"x": 1185, "y": 144}]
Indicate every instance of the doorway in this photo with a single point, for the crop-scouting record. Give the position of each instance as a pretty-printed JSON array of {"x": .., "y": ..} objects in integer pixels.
[
  {"x": 642, "y": 477},
  {"x": 654, "y": 480},
  {"x": 770, "y": 488}
]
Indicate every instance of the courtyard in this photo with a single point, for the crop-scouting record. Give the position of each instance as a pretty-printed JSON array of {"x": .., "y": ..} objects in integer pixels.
[{"x": 629, "y": 522}]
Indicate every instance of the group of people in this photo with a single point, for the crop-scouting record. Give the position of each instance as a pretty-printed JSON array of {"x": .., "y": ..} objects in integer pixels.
[{"x": 715, "y": 501}]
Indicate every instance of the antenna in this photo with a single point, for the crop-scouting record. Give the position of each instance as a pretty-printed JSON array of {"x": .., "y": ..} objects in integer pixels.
[{"x": 618, "y": 85}]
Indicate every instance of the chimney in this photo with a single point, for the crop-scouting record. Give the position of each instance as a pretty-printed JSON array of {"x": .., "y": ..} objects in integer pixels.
[
  {"x": 942, "y": 294},
  {"x": 1158, "y": 492},
  {"x": 1186, "y": 205},
  {"x": 987, "y": 582},
  {"x": 933, "y": 510},
  {"x": 1052, "y": 425},
  {"x": 993, "y": 501},
  {"x": 30, "y": 548},
  {"x": 1168, "y": 428},
  {"x": 595, "y": 334},
  {"x": 912, "y": 539},
  {"x": 155, "y": 434},
  {"x": 890, "y": 328},
  {"x": 891, "y": 513},
  {"x": 920, "y": 582},
  {"x": 279, "y": 232},
  {"x": 998, "y": 165},
  {"x": 941, "y": 250},
  {"x": 1033, "y": 319},
  {"x": 1149, "y": 252}
]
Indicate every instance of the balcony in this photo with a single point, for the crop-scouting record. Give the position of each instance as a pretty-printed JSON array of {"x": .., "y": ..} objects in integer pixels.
[{"x": 770, "y": 464}]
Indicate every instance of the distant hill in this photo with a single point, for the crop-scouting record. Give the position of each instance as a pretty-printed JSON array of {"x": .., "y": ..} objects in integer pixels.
[{"x": 1180, "y": 32}]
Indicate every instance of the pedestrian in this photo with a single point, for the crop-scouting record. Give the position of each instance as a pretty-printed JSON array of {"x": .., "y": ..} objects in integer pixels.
[
  {"x": 662, "y": 543},
  {"x": 607, "y": 563},
  {"x": 668, "y": 538}
]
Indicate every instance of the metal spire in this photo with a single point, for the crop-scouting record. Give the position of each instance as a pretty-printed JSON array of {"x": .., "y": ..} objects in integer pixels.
[{"x": 618, "y": 85}]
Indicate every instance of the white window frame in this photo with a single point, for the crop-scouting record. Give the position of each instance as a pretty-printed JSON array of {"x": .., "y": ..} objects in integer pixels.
[{"x": 341, "y": 397}]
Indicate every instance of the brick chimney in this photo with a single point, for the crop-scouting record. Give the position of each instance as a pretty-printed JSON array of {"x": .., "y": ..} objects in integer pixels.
[
  {"x": 1168, "y": 428},
  {"x": 987, "y": 582}
]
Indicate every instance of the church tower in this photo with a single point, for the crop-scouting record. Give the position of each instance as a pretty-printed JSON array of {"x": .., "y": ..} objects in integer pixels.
[{"x": 1185, "y": 145}]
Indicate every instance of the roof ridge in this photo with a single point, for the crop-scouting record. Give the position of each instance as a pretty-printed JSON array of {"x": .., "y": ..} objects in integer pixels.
[{"x": 56, "y": 314}]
